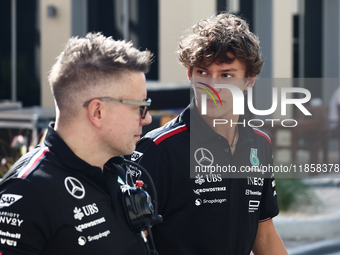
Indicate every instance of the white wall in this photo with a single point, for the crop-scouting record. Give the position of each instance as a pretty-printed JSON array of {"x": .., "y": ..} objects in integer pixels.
[
  {"x": 175, "y": 17},
  {"x": 54, "y": 33}
]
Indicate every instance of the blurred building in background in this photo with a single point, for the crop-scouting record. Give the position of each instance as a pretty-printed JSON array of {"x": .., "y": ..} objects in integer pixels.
[{"x": 299, "y": 38}]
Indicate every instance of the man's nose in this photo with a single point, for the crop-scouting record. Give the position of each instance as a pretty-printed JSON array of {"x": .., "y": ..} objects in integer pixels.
[
  {"x": 212, "y": 82},
  {"x": 147, "y": 120}
]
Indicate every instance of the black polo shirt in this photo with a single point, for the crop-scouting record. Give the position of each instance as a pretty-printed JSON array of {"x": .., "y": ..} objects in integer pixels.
[
  {"x": 52, "y": 202},
  {"x": 206, "y": 214}
]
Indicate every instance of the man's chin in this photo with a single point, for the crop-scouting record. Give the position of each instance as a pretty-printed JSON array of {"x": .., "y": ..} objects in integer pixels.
[
  {"x": 132, "y": 149},
  {"x": 213, "y": 115}
]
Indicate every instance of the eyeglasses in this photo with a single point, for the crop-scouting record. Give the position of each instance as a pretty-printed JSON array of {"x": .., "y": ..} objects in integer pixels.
[{"x": 143, "y": 105}]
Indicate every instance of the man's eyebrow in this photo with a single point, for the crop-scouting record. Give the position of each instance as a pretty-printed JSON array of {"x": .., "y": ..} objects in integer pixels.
[
  {"x": 228, "y": 70},
  {"x": 221, "y": 71}
]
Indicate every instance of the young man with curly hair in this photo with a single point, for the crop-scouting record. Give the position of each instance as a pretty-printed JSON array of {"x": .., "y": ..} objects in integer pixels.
[{"x": 212, "y": 214}]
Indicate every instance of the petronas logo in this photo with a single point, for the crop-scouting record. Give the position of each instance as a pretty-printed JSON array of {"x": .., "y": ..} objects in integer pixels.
[{"x": 254, "y": 160}]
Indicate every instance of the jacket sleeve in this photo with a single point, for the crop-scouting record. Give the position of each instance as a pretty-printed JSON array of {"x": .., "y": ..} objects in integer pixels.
[
  {"x": 24, "y": 225},
  {"x": 269, "y": 206}
]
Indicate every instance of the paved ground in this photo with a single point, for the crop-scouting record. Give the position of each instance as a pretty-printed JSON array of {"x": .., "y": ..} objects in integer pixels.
[
  {"x": 323, "y": 247},
  {"x": 314, "y": 229}
]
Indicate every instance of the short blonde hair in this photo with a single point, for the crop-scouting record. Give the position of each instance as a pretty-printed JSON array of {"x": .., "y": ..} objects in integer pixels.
[{"x": 86, "y": 61}]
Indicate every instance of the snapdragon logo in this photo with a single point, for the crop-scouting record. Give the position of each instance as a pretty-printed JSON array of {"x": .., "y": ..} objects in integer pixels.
[{"x": 238, "y": 103}]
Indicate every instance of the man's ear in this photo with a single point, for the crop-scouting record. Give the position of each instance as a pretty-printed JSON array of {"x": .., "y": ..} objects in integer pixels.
[
  {"x": 250, "y": 82},
  {"x": 189, "y": 73},
  {"x": 94, "y": 112}
]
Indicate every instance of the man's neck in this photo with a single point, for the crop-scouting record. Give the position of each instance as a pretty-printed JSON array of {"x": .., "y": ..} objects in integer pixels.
[
  {"x": 80, "y": 144},
  {"x": 227, "y": 130}
]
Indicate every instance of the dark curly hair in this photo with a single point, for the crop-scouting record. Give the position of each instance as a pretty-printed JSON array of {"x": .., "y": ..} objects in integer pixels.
[{"x": 211, "y": 39}]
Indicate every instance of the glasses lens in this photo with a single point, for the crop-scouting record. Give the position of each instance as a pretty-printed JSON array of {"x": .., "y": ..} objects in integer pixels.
[{"x": 143, "y": 111}]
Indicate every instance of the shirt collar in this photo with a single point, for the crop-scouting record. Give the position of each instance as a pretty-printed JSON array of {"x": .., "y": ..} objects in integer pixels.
[
  {"x": 63, "y": 152},
  {"x": 67, "y": 156},
  {"x": 75, "y": 164}
]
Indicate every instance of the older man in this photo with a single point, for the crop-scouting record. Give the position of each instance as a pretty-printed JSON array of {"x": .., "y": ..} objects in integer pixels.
[{"x": 63, "y": 197}]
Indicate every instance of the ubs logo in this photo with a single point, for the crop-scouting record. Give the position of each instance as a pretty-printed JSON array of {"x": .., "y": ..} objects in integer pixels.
[
  {"x": 86, "y": 210},
  {"x": 75, "y": 187},
  {"x": 208, "y": 177}
]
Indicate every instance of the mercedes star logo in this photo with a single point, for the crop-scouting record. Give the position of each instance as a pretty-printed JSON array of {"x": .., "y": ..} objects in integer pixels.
[
  {"x": 74, "y": 187},
  {"x": 204, "y": 157}
]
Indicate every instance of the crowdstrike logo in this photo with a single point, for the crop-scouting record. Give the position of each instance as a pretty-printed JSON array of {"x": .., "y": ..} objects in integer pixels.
[
  {"x": 205, "y": 190},
  {"x": 90, "y": 224}
]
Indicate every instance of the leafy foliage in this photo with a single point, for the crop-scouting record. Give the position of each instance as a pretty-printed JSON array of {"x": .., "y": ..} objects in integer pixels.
[
  {"x": 292, "y": 192},
  {"x": 12, "y": 152}
]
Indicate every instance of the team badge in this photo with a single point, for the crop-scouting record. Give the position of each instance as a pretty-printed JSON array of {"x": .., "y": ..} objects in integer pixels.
[
  {"x": 74, "y": 187},
  {"x": 254, "y": 160},
  {"x": 204, "y": 157}
]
